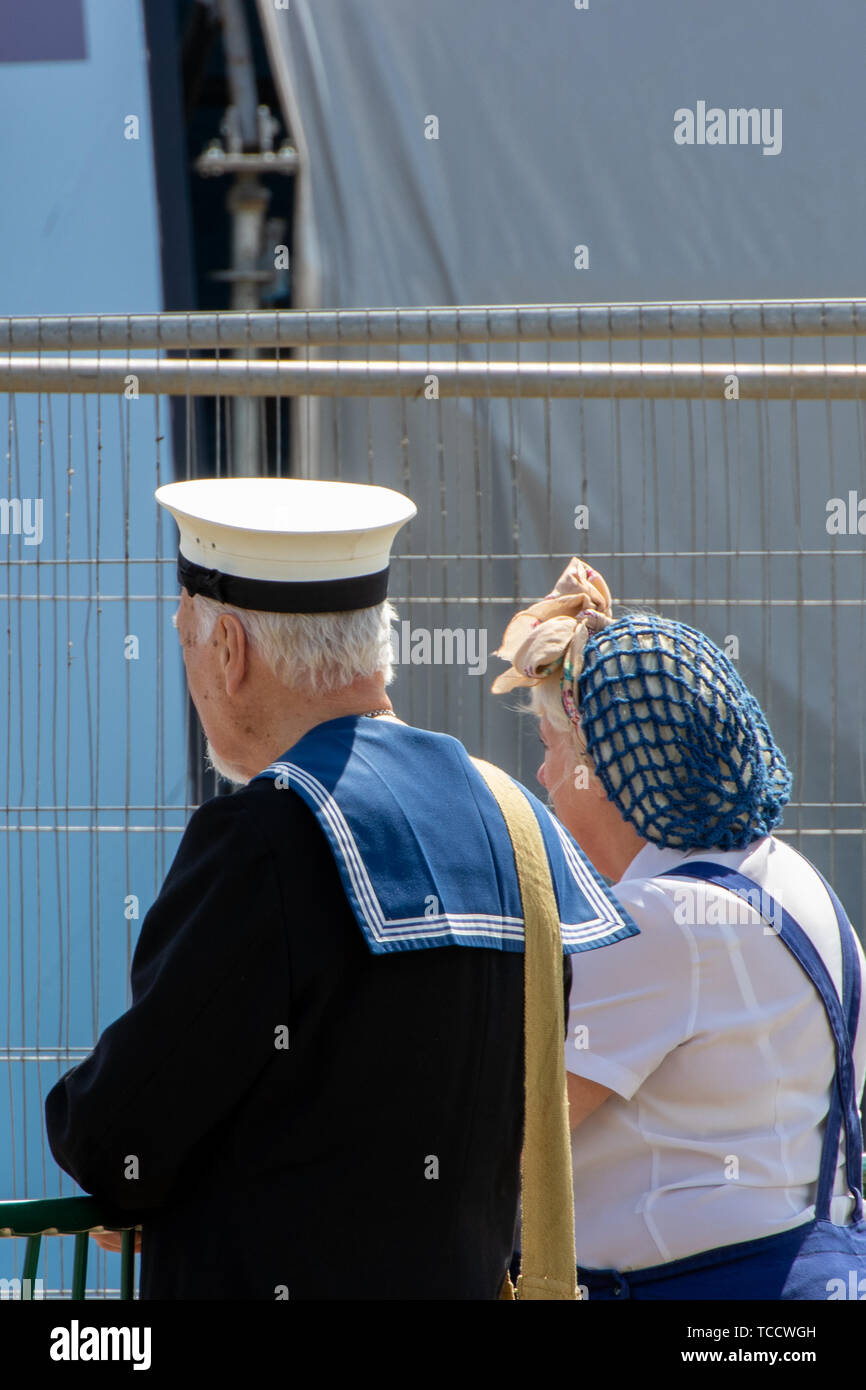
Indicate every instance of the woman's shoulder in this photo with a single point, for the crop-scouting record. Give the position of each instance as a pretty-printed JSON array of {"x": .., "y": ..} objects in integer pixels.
[
  {"x": 654, "y": 904},
  {"x": 653, "y": 889},
  {"x": 777, "y": 876},
  {"x": 767, "y": 861}
]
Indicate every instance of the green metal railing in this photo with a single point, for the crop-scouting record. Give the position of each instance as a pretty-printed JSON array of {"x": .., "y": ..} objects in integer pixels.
[
  {"x": 78, "y": 1216},
  {"x": 69, "y": 1216}
]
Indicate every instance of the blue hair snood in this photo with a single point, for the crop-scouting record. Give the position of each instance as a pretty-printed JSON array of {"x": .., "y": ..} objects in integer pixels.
[{"x": 680, "y": 744}]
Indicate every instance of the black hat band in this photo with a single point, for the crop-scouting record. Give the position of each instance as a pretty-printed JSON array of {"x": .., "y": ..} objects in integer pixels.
[{"x": 280, "y": 596}]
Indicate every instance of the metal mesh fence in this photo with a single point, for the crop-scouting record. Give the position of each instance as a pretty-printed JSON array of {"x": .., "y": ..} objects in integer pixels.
[{"x": 708, "y": 459}]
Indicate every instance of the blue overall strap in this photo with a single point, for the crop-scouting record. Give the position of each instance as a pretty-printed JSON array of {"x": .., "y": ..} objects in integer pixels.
[
  {"x": 843, "y": 1102},
  {"x": 851, "y": 983}
]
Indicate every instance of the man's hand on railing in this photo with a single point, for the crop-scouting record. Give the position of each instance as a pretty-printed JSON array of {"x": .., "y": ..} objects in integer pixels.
[{"x": 110, "y": 1240}]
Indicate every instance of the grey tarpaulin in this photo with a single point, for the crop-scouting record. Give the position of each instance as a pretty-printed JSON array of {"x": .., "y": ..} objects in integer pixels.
[{"x": 556, "y": 129}]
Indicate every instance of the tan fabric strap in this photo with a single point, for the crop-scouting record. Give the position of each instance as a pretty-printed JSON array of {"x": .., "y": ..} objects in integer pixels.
[{"x": 547, "y": 1255}]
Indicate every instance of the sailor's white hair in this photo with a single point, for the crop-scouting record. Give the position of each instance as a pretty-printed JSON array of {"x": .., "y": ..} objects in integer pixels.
[{"x": 312, "y": 651}]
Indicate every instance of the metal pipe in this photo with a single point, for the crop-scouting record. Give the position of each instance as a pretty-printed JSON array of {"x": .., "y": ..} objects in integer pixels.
[
  {"x": 247, "y": 203},
  {"x": 240, "y": 70},
  {"x": 495, "y": 323},
  {"x": 429, "y": 380}
]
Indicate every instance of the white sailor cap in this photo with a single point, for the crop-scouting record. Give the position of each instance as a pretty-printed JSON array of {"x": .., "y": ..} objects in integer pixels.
[{"x": 285, "y": 545}]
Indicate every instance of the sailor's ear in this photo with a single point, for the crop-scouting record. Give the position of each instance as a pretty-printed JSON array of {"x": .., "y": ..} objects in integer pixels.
[{"x": 234, "y": 655}]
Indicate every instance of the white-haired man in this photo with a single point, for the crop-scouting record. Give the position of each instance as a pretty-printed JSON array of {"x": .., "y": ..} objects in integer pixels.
[{"x": 317, "y": 1090}]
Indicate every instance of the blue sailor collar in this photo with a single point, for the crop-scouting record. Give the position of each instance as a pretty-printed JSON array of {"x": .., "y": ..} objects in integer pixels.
[{"x": 422, "y": 850}]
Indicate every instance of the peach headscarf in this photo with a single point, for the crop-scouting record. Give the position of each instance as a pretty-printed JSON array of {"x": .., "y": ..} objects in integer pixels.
[{"x": 548, "y": 638}]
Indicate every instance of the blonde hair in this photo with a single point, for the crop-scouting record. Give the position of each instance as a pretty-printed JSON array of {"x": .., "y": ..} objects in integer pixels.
[{"x": 545, "y": 702}]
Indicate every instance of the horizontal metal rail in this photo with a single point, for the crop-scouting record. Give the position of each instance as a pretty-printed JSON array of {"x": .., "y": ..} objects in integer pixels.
[
  {"x": 430, "y": 380},
  {"x": 69, "y": 1216},
  {"x": 773, "y": 318}
]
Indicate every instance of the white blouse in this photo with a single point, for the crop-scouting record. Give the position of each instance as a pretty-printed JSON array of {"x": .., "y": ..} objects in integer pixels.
[{"x": 718, "y": 1048}]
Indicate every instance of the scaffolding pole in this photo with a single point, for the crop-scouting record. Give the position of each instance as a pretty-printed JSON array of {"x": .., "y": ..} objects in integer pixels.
[
  {"x": 540, "y": 323},
  {"x": 431, "y": 380}
]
